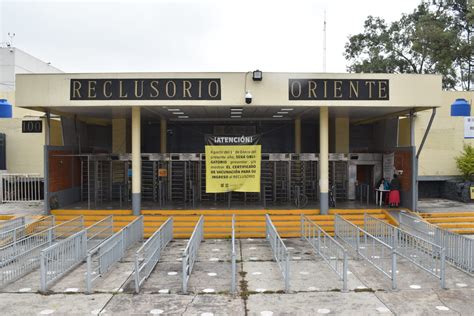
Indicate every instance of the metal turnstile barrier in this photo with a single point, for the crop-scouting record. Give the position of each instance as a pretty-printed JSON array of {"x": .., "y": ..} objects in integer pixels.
[
  {"x": 280, "y": 252},
  {"x": 149, "y": 253},
  {"x": 459, "y": 249},
  {"x": 381, "y": 255},
  {"x": 333, "y": 253},
  {"x": 191, "y": 251},
  {"x": 423, "y": 253}
]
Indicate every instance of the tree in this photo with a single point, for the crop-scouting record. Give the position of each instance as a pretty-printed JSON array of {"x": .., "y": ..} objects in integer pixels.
[
  {"x": 433, "y": 39},
  {"x": 465, "y": 162}
]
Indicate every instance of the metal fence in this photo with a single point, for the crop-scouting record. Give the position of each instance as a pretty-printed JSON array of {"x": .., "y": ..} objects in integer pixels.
[
  {"x": 421, "y": 252},
  {"x": 333, "y": 253},
  {"x": 133, "y": 232},
  {"x": 11, "y": 224},
  {"x": 381, "y": 255},
  {"x": 459, "y": 249},
  {"x": 110, "y": 251},
  {"x": 11, "y": 236},
  {"x": 191, "y": 251},
  {"x": 58, "y": 259},
  {"x": 149, "y": 253},
  {"x": 15, "y": 187},
  {"x": 234, "y": 258},
  {"x": 19, "y": 258},
  {"x": 280, "y": 252},
  {"x": 100, "y": 231}
]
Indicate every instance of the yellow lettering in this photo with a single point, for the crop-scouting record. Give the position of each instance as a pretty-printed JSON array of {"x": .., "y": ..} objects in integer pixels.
[
  {"x": 76, "y": 93},
  {"x": 370, "y": 84},
  {"x": 107, "y": 85},
  {"x": 216, "y": 89},
  {"x": 136, "y": 89},
  {"x": 121, "y": 95},
  {"x": 337, "y": 89},
  {"x": 187, "y": 89},
  {"x": 167, "y": 89},
  {"x": 353, "y": 89},
  {"x": 312, "y": 89},
  {"x": 154, "y": 87},
  {"x": 298, "y": 86},
  {"x": 384, "y": 89}
]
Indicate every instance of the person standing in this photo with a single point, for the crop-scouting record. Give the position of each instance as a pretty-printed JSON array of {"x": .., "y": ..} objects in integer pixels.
[{"x": 394, "y": 196}]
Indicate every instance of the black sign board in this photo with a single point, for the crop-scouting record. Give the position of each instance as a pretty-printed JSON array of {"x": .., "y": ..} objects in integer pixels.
[
  {"x": 35, "y": 126},
  {"x": 338, "y": 89},
  {"x": 232, "y": 140},
  {"x": 145, "y": 89}
]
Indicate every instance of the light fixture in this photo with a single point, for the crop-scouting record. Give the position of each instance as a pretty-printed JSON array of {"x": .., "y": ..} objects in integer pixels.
[
  {"x": 178, "y": 113},
  {"x": 237, "y": 109},
  {"x": 183, "y": 116},
  {"x": 287, "y": 109},
  {"x": 277, "y": 115},
  {"x": 257, "y": 75},
  {"x": 235, "y": 116},
  {"x": 282, "y": 112},
  {"x": 174, "y": 110},
  {"x": 460, "y": 107}
]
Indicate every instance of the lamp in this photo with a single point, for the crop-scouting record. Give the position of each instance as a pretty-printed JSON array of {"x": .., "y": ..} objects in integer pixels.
[
  {"x": 460, "y": 107},
  {"x": 257, "y": 75}
]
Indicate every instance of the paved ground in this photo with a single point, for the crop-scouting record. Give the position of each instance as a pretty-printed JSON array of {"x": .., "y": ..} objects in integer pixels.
[
  {"x": 314, "y": 287},
  {"x": 443, "y": 205}
]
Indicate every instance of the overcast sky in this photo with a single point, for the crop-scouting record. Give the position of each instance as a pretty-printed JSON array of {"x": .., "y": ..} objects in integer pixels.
[{"x": 185, "y": 35}]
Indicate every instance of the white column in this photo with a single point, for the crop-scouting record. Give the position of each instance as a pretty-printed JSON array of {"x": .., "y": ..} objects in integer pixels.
[
  {"x": 136, "y": 162},
  {"x": 324, "y": 159}
]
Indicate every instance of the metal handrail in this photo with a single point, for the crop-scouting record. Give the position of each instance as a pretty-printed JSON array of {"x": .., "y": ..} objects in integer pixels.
[
  {"x": 378, "y": 253},
  {"x": 280, "y": 252},
  {"x": 26, "y": 230},
  {"x": 12, "y": 224},
  {"x": 20, "y": 258},
  {"x": 190, "y": 252},
  {"x": 423, "y": 253},
  {"x": 332, "y": 252},
  {"x": 107, "y": 253},
  {"x": 234, "y": 258},
  {"x": 149, "y": 253},
  {"x": 459, "y": 250}
]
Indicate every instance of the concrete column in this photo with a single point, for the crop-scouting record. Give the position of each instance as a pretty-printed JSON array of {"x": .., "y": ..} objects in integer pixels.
[
  {"x": 342, "y": 135},
  {"x": 324, "y": 159},
  {"x": 163, "y": 136},
  {"x": 298, "y": 135},
  {"x": 136, "y": 162}
]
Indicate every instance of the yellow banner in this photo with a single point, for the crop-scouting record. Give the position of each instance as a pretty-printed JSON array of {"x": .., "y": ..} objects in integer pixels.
[{"x": 233, "y": 168}]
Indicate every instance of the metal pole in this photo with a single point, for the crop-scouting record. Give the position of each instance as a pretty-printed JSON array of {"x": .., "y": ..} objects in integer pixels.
[{"x": 344, "y": 273}]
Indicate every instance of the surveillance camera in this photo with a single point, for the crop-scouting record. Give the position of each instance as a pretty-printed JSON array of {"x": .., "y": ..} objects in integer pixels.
[{"x": 248, "y": 97}]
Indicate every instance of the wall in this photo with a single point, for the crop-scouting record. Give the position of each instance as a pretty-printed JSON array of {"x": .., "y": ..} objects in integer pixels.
[
  {"x": 24, "y": 151},
  {"x": 445, "y": 140}
]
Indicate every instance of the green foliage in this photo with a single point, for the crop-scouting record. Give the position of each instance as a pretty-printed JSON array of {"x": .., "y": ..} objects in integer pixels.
[
  {"x": 465, "y": 162},
  {"x": 433, "y": 39}
]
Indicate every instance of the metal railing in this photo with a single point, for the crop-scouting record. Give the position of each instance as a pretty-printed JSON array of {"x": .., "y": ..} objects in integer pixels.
[
  {"x": 100, "y": 231},
  {"x": 333, "y": 253},
  {"x": 15, "y": 234},
  {"x": 149, "y": 253},
  {"x": 11, "y": 224},
  {"x": 280, "y": 252},
  {"x": 233, "y": 258},
  {"x": 421, "y": 252},
  {"x": 16, "y": 187},
  {"x": 459, "y": 250},
  {"x": 381, "y": 255},
  {"x": 133, "y": 232},
  {"x": 58, "y": 259},
  {"x": 19, "y": 258},
  {"x": 191, "y": 251},
  {"x": 101, "y": 258}
]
